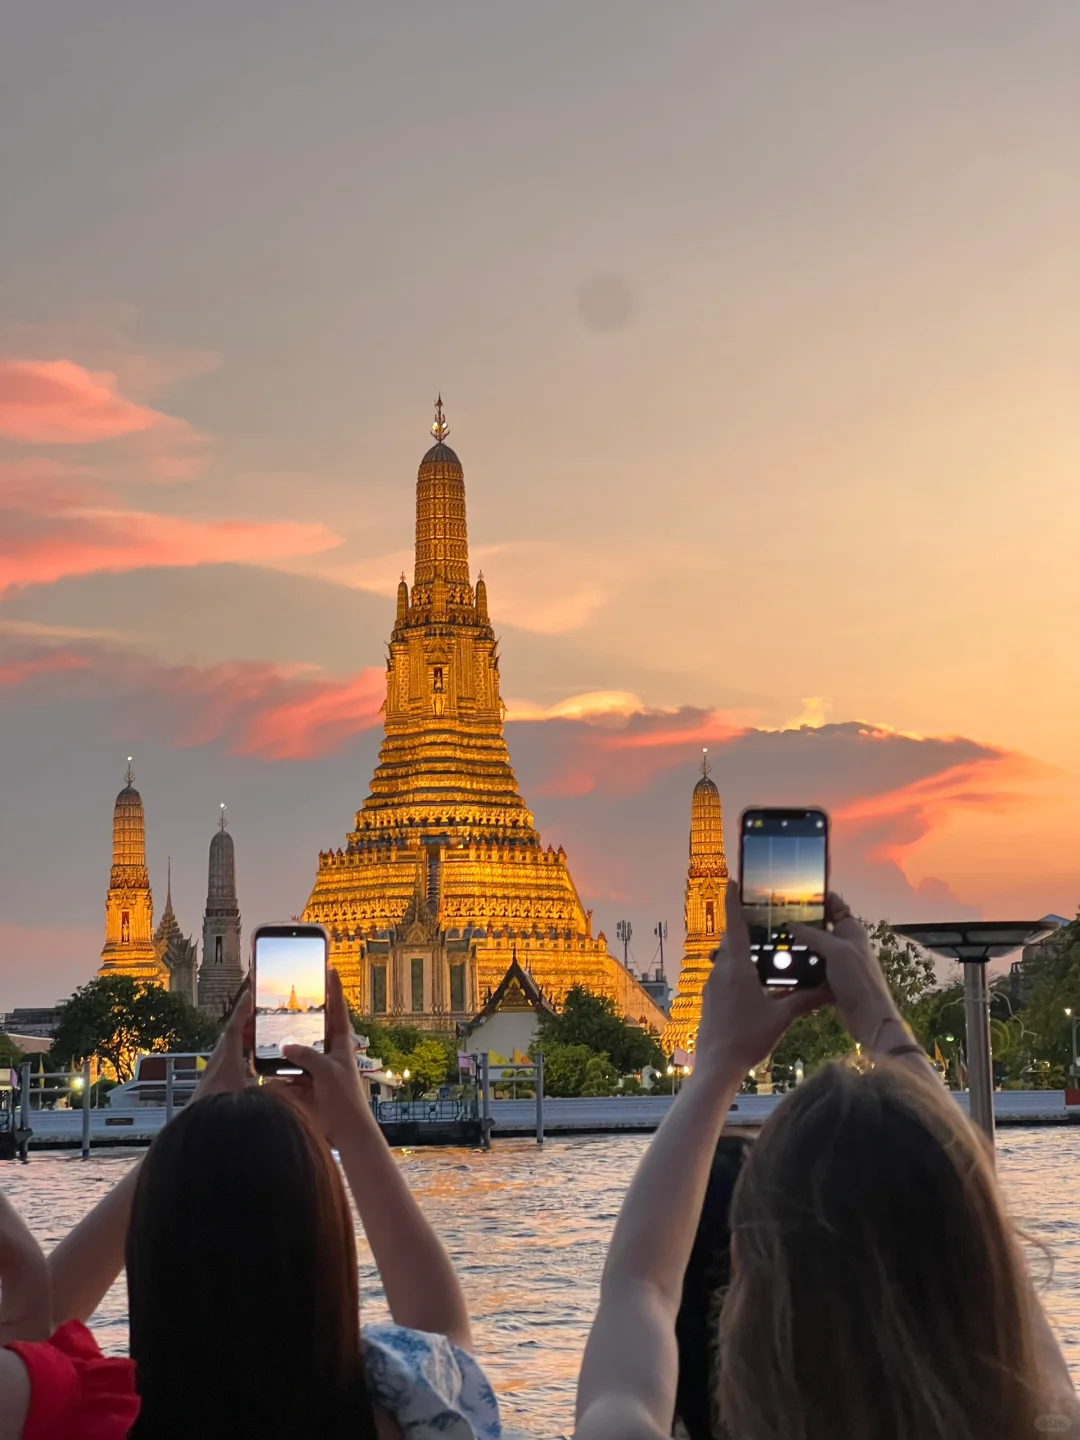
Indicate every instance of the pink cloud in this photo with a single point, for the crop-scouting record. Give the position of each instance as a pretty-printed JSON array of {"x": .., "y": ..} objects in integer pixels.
[
  {"x": 19, "y": 672},
  {"x": 56, "y": 402},
  {"x": 55, "y": 522},
  {"x": 319, "y": 720},
  {"x": 255, "y": 709}
]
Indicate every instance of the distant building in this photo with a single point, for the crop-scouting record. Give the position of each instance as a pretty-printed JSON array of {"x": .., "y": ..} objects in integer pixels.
[
  {"x": 177, "y": 953},
  {"x": 129, "y": 905},
  {"x": 222, "y": 971},
  {"x": 706, "y": 916},
  {"x": 656, "y": 985},
  {"x": 507, "y": 1022},
  {"x": 32, "y": 1020}
]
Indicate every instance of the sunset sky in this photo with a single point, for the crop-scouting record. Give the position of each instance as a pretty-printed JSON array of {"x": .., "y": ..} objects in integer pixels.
[{"x": 757, "y": 332}]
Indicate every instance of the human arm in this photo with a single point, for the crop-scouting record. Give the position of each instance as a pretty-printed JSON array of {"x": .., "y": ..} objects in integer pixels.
[
  {"x": 626, "y": 1390},
  {"x": 856, "y": 984},
  {"x": 25, "y": 1306},
  {"x": 422, "y": 1288},
  {"x": 90, "y": 1257}
]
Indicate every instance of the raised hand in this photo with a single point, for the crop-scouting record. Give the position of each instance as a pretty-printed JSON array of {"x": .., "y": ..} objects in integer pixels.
[
  {"x": 855, "y": 982},
  {"x": 330, "y": 1086},
  {"x": 228, "y": 1070},
  {"x": 740, "y": 1020}
]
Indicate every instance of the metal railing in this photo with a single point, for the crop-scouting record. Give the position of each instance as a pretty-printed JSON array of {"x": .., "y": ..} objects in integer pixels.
[
  {"x": 59, "y": 1084},
  {"x": 403, "y": 1112}
]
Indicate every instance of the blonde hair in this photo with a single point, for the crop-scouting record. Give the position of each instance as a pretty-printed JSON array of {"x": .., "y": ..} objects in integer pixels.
[{"x": 879, "y": 1292}]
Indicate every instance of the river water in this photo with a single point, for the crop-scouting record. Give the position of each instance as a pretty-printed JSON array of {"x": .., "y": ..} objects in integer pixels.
[{"x": 528, "y": 1228}]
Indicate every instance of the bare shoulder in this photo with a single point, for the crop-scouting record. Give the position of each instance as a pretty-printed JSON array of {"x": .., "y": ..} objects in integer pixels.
[{"x": 14, "y": 1395}]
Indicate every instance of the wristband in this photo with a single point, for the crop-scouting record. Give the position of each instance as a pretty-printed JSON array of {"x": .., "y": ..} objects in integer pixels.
[
  {"x": 890, "y": 1020},
  {"x": 907, "y": 1050}
]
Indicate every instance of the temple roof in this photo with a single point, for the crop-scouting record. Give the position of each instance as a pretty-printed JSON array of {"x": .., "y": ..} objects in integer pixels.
[
  {"x": 706, "y": 787},
  {"x": 441, "y": 454},
  {"x": 516, "y": 986}
]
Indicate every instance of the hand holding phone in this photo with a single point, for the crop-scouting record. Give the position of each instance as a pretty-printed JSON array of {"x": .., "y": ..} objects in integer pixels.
[
  {"x": 783, "y": 878},
  {"x": 288, "y": 978}
]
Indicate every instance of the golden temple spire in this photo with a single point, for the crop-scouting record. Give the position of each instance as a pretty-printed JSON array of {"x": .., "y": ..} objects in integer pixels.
[
  {"x": 442, "y": 542},
  {"x": 440, "y": 429}
]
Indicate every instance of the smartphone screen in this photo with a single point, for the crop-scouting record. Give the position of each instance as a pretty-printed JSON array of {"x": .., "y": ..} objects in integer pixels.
[
  {"x": 784, "y": 871},
  {"x": 290, "y": 990}
]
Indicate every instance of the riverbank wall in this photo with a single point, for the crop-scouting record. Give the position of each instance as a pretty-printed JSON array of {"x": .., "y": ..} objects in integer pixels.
[{"x": 516, "y": 1119}]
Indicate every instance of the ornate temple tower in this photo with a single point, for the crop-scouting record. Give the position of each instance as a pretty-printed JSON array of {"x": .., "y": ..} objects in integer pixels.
[
  {"x": 222, "y": 970},
  {"x": 129, "y": 905},
  {"x": 706, "y": 892},
  {"x": 444, "y": 874},
  {"x": 177, "y": 953}
]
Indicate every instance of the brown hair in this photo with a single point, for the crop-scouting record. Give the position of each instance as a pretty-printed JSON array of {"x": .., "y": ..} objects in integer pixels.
[
  {"x": 242, "y": 1280},
  {"x": 879, "y": 1292}
]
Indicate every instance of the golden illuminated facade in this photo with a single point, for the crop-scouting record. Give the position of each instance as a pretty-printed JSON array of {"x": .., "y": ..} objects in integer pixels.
[
  {"x": 444, "y": 875},
  {"x": 129, "y": 906},
  {"x": 706, "y": 893}
]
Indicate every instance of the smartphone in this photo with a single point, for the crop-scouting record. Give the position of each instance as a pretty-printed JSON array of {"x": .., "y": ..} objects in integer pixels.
[
  {"x": 288, "y": 977},
  {"x": 783, "y": 877}
]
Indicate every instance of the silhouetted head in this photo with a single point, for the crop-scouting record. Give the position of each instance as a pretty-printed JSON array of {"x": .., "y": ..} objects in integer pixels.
[
  {"x": 708, "y": 1274},
  {"x": 878, "y": 1290},
  {"x": 242, "y": 1280}
]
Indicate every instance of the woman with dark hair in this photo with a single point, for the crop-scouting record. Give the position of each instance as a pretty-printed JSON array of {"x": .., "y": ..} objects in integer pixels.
[
  {"x": 242, "y": 1278},
  {"x": 707, "y": 1277},
  {"x": 878, "y": 1289}
]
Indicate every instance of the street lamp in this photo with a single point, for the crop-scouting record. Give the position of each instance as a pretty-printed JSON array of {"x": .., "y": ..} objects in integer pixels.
[
  {"x": 974, "y": 943},
  {"x": 671, "y": 1072}
]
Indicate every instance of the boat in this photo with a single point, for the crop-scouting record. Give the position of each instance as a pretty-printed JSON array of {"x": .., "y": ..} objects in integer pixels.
[{"x": 148, "y": 1087}]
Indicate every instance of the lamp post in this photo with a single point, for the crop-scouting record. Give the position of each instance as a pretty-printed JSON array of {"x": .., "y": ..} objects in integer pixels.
[
  {"x": 671, "y": 1072},
  {"x": 974, "y": 943},
  {"x": 1074, "y": 1069}
]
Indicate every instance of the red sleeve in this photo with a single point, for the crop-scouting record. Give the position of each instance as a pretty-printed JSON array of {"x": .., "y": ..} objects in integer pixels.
[{"x": 75, "y": 1390}]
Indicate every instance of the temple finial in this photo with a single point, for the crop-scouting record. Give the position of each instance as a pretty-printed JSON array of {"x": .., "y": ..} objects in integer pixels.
[
  {"x": 168, "y": 884},
  {"x": 705, "y": 766},
  {"x": 130, "y": 774},
  {"x": 222, "y": 822},
  {"x": 440, "y": 429}
]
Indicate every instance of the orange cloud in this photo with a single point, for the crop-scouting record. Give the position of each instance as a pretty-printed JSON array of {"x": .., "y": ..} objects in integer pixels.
[{"x": 895, "y": 820}]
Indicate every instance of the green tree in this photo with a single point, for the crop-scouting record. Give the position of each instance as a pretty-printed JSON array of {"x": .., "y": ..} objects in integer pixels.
[
  {"x": 908, "y": 970},
  {"x": 119, "y": 1018},
  {"x": 428, "y": 1064},
  {"x": 565, "y": 1068},
  {"x": 10, "y": 1054},
  {"x": 592, "y": 1021},
  {"x": 601, "y": 1077}
]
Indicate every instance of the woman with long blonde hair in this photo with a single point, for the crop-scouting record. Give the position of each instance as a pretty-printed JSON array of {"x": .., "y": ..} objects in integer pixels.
[{"x": 878, "y": 1290}]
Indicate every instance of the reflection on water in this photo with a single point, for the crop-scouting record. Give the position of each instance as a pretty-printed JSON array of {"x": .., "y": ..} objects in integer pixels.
[
  {"x": 274, "y": 1031},
  {"x": 528, "y": 1228}
]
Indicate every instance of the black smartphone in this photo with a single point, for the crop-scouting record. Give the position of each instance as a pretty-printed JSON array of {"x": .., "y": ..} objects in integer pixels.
[
  {"x": 783, "y": 877},
  {"x": 288, "y": 980}
]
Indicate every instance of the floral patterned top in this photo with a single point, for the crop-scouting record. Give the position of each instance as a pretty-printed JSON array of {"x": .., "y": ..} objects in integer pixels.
[{"x": 432, "y": 1389}]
